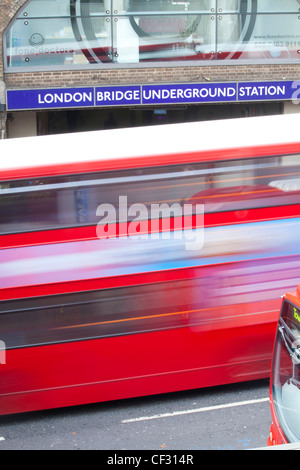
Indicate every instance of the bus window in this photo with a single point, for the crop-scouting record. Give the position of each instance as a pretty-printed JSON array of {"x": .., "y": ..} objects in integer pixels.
[{"x": 286, "y": 372}]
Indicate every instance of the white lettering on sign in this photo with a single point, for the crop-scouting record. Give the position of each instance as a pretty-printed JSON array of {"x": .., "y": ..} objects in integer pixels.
[
  {"x": 189, "y": 93},
  {"x": 263, "y": 90},
  {"x": 54, "y": 98},
  {"x": 118, "y": 95}
]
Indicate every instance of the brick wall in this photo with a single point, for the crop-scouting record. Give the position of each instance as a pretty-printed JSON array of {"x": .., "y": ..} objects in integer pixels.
[{"x": 162, "y": 74}]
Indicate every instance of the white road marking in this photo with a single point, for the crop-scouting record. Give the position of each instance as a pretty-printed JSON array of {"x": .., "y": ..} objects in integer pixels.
[{"x": 196, "y": 410}]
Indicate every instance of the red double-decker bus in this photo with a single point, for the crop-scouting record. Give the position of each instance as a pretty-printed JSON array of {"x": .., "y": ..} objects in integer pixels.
[{"x": 106, "y": 292}]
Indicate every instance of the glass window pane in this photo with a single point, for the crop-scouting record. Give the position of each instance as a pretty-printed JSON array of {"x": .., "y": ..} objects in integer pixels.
[
  {"x": 258, "y": 38},
  {"x": 276, "y": 36},
  {"x": 95, "y": 7},
  {"x": 46, "y": 8},
  {"x": 155, "y": 38},
  {"x": 229, "y": 5},
  {"x": 94, "y": 37},
  {"x": 58, "y": 41},
  {"x": 41, "y": 42},
  {"x": 50, "y": 8},
  {"x": 254, "y": 6},
  {"x": 168, "y": 6},
  {"x": 278, "y": 6}
]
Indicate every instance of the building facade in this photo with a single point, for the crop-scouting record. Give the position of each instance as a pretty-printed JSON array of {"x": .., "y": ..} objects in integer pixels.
[{"x": 75, "y": 65}]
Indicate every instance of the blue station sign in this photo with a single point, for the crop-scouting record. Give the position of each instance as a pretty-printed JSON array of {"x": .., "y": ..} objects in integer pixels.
[{"x": 163, "y": 94}]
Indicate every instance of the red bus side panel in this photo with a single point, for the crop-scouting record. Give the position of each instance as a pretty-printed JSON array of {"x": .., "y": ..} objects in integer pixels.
[{"x": 135, "y": 365}]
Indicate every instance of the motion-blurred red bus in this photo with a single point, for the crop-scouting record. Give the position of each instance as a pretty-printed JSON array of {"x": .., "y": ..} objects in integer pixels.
[
  {"x": 91, "y": 310},
  {"x": 285, "y": 374}
]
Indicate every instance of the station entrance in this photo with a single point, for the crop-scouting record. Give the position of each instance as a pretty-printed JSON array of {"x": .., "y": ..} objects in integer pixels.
[{"x": 27, "y": 123}]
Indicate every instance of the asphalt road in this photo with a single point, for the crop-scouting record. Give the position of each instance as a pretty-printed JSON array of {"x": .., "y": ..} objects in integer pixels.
[{"x": 232, "y": 417}]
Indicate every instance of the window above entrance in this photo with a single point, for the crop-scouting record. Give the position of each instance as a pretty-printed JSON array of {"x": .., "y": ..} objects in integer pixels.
[{"x": 84, "y": 33}]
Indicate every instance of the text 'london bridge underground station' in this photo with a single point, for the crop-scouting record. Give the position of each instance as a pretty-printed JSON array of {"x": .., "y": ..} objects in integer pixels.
[
  {"x": 119, "y": 95},
  {"x": 156, "y": 94}
]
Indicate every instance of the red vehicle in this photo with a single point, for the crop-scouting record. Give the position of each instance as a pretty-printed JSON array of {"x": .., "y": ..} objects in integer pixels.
[
  {"x": 98, "y": 301},
  {"x": 285, "y": 384}
]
